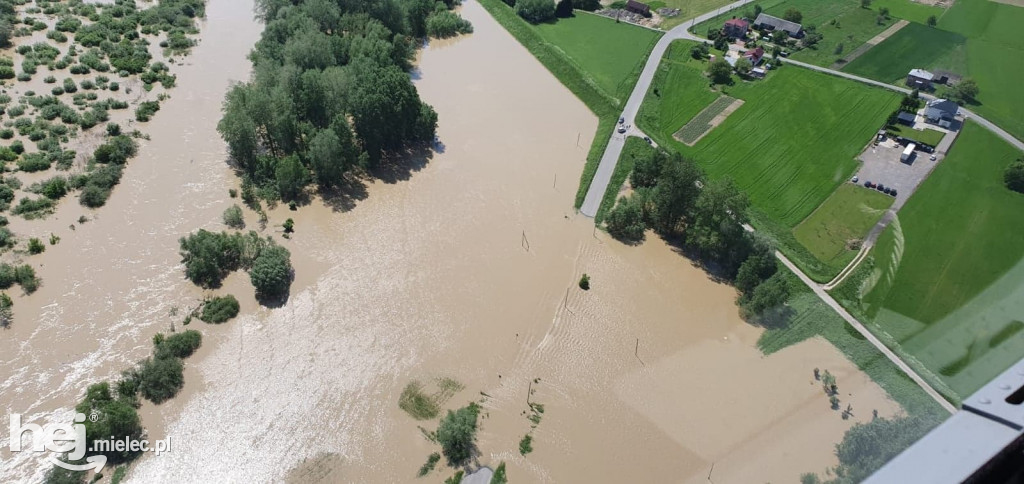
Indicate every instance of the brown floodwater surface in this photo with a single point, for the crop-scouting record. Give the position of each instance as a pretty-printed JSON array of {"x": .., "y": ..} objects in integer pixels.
[{"x": 463, "y": 266}]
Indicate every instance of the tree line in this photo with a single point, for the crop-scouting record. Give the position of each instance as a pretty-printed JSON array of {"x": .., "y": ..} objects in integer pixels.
[
  {"x": 331, "y": 91},
  {"x": 672, "y": 197}
]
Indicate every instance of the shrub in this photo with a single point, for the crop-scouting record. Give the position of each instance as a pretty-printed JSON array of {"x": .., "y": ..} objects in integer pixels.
[
  {"x": 233, "y": 217},
  {"x": 443, "y": 24},
  {"x": 69, "y": 85},
  {"x": 35, "y": 246},
  {"x": 536, "y": 11},
  {"x": 33, "y": 208},
  {"x": 177, "y": 345},
  {"x": 54, "y": 188},
  {"x": 219, "y": 309},
  {"x": 6, "y": 133},
  {"x": 26, "y": 277},
  {"x": 160, "y": 378},
  {"x": 432, "y": 461},
  {"x": 585, "y": 282},
  {"x": 526, "y": 444},
  {"x": 1014, "y": 176},
  {"x": 146, "y": 110},
  {"x": 625, "y": 221}
]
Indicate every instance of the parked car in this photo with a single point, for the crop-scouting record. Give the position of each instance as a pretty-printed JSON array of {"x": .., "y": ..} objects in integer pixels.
[
  {"x": 887, "y": 190},
  {"x": 880, "y": 187},
  {"x": 622, "y": 120},
  {"x": 855, "y": 179},
  {"x": 868, "y": 184},
  {"x": 647, "y": 139},
  {"x": 932, "y": 157},
  {"x": 622, "y": 129},
  {"x": 892, "y": 192}
]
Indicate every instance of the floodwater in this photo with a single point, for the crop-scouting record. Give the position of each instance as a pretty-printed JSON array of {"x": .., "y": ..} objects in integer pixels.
[{"x": 464, "y": 266}]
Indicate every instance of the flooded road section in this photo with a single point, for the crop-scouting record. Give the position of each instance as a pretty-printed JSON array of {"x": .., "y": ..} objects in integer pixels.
[{"x": 465, "y": 267}]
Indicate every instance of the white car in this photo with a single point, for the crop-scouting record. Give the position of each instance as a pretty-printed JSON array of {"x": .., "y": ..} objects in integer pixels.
[{"x": 622, "y": 129}]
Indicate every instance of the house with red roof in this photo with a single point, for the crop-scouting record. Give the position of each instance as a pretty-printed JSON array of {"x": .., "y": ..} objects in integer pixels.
[
  {"x": 754, "y": 55},
  {"x": 736, "y": 28}
]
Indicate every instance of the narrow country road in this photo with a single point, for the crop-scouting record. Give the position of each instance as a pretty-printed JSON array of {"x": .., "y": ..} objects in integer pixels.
[
  {"x": 599, "y": 185},
  {"x": 606, "y": 167},
  {"x": 867, "y": 334}
]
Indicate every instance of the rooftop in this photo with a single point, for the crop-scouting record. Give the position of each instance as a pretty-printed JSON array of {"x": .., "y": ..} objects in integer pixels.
[
  {"x": 777, "y": 23},
  {"x": 922, "y": 74}
]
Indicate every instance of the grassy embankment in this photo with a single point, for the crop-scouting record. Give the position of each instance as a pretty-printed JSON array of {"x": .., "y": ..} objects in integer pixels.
[
  {"x": 634, "y": 148},
  {"x": 596, "y": 58},
  {"x": 853, "y": 25},
  {"x": 790, "y": 145},
  {"x": 848, "y": 214},
  {"x": 947, "y": 281},
  {"x": 977, "y": 39}
]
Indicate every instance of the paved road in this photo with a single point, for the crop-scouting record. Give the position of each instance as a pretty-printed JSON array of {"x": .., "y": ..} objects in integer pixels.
[
  {"x": 867, "y": 334},
  {"x": 598, "y": 186},
  {"x": 606, "y": 167}
]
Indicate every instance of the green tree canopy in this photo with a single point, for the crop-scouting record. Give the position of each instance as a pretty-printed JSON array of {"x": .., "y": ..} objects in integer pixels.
[
  {"x": 457, "y": 434},
  {"x": 271, "y": 273},
  {"x": 536, "y": 11},
  {"x": 675, "y": 194}
]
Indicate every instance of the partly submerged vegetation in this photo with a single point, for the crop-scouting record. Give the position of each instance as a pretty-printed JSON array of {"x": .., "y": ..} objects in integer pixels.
[
  {"x": 115, "y": 407},
  {"x": 210, "y": 256},
  {"x": 331, "y": 92}
]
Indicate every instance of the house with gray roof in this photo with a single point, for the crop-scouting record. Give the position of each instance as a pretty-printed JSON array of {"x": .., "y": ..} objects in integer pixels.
[
  {"x": 920, "y": 79},
  {"x": 775, "y": 24},
  {"x": 941, "y": 112}
]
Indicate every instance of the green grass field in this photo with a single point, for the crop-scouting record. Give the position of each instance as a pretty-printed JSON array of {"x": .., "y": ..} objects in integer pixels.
[
  {"x": 612, "y": 54},
  {"x": 926, "y": 136},
  {"x": 854, "y": 26},
  {"x": 789, "y": 146},
  {"x": 908, "y": 10},
  {"x": 976, "y": 38},
  {"x": 846, "y": 215},
  {"x": 947, "y": 279},
  {"x": 913, "y": 46}
]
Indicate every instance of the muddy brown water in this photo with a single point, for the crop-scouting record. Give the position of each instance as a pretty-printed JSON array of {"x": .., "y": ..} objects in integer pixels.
[{"x": 464, "y": 266}]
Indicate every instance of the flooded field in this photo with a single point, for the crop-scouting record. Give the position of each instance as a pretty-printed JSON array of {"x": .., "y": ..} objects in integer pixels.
[{"x": 464, "y": 266}]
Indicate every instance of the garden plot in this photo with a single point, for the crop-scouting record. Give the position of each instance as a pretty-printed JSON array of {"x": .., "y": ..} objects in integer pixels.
[{"x": 707, "y": 119}]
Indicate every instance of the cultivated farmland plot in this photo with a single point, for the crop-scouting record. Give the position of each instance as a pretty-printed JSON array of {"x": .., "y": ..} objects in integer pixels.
[{"x": 694, "y": 130}]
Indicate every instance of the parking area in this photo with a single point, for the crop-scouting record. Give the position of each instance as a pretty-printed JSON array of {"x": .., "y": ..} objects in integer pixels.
[{"x": 881, "y": 165}]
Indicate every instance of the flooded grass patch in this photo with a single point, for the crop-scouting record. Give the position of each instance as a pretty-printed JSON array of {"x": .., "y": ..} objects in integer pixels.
[{"x": 421, "y": 404}]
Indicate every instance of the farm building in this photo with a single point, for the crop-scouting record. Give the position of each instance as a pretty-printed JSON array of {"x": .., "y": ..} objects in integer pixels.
[
  {"x": 736, "y": 28},
  {"x": 754, "y": 55},
  {"x": 638, "y": 8},
  {"x": 920, "y": 79},
  {"x": 906, "y": 118},
  {"x": 758, "y": 72},
  {"x": 765, "y": 21},
  {"x": 940, "y": 112}
]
